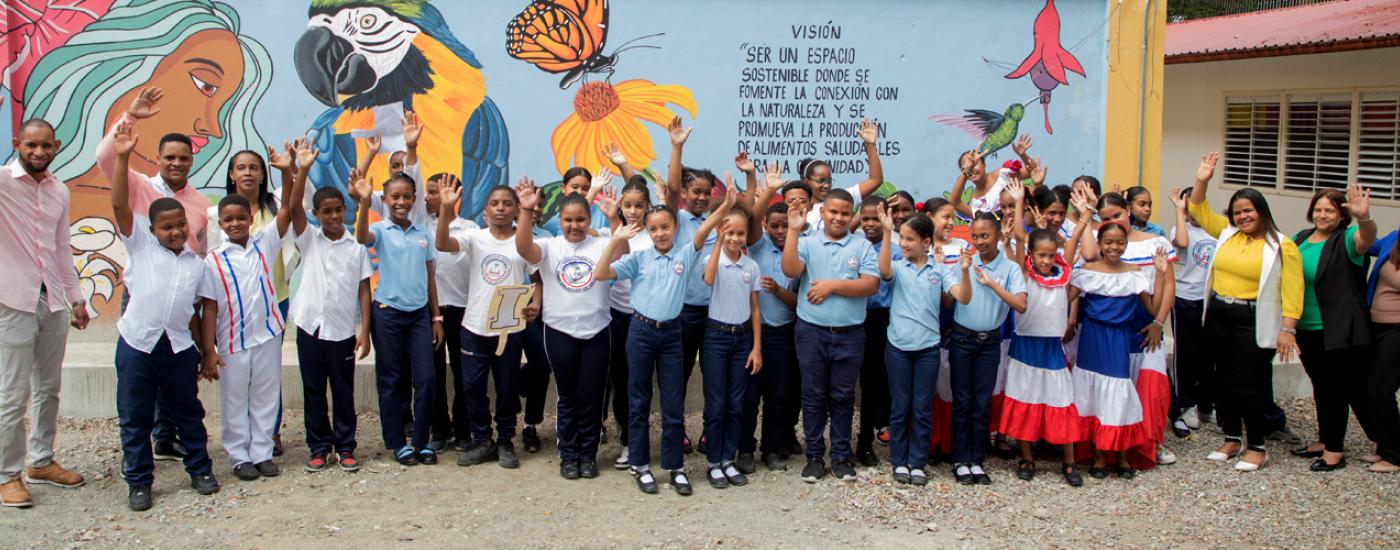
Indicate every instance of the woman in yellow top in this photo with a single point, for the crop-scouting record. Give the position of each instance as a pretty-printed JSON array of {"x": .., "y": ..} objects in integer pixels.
[{"x": 1256, "y": 299}]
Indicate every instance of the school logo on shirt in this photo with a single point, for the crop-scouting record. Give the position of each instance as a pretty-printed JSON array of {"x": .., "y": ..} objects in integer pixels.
[
  {"x": 575, "y": 273},
  {"x": 933, "y": 279},
  {"x": 495, "y": 269},
  {"x": 851, "y": 262},
  {"x": 747, "y": 277},
  {"x": 422, "y": 243},
  {"x": 1202, "y": 251},
  {"x": 678, "y": 268}
]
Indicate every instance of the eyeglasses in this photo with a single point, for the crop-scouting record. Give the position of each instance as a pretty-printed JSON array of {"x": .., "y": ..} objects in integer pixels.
[{"x": 822, "y": 181}]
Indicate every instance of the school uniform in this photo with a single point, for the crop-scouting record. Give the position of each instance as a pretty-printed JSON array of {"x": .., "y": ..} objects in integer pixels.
[
  {"x": 912, "y": 356},
  {"x": 576, "y": 340},
  {"x": 620, "y": 303},
  {"x": 1195, "y": 366},
  {"x": 974, "y": 356},
  {"x": 830, "y": 340},
  {"x": 451, "y": 419},
  {"x": 774, "y": 384},
  {"x": 401, "y": 325},
  {"x": 238, "y": 278},
  {"x": 651, "y": 348},
  {"x": 534, "y": 376},
  {"x": 491, "y": 263},
  {"x": 874, "y": 381},
  {"x": 156, "y": 354},
  {"x": 815, "y": 224},
  {"x": 728, "y": 343},
  {"x": 697, "y": 293},
  {"x": 326, "y": 309}
]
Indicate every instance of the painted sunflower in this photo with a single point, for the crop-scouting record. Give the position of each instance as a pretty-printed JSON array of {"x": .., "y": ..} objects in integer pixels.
[{"x": 605, "y": 114}]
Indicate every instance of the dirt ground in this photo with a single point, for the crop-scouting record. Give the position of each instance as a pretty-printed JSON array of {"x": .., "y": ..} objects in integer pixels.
[{"x": 1194, "y": 503}]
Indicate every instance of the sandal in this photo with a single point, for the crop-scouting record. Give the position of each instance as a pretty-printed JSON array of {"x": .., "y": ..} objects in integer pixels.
[{"x": 406, "y": 456}]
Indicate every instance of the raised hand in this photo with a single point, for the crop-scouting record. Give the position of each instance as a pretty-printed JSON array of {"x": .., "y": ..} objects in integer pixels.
[
  {"x": 372, "y": 145},
  {"x": 144, "y": 106},
  {"x": 731, "y": 192},
  {"x": 306, "y": 154},
  {"x": 124, "y": 140},
  {"x": 528, "y": 194},
  {"x": 607, "y": 201},
  {"x": 358, "y": 187},
  {"x": 1017, "y": 191},
  {"x": 602, "y": 179},
  {"x": 886, "y": 221},
  {"x": 797, "y": 217},
  {"x": 449, "y": 191},
  {"x": 1206, "y": 170},
  {"x": 1037, "y": 218},
  {"x": 772, "y": 176},
  {"x": 614, "y": 154},
  {"x": 965, "y": 258},
  {"x": 1079, "y": 197},
  {"x": 869, "y": 131},
  {"x": 972, "y": 158},
  {"x": 1022, "y": 145},
  {"x": 678, "y": 132},
  {"x": 1160, "y": 262},
  {"x": 281, "y": 161},
  {"x": 1358, "y": 202},
  {"x": 743, "y": 163},
  {"x": 1177, "y": 200},
  {"x": 628, "y": 231},
  {"x": 412, "y": 129},
  {"x": 1038, "y": 171}
]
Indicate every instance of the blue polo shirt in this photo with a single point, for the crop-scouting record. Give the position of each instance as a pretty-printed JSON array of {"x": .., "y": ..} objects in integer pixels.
[
  {"x": 697, "y": 293},
  {"x": 915, "y": 301},
  {"x": 769, "y": 258},
  {"x": 403, "y": 265},
  {"x": 986, "y": 311},
  {"x": 846, "y": 258},
  {"x": 881, "y": 298},
  {"x": 734, "y": 282},
  {"x": 658, "y": 279}
]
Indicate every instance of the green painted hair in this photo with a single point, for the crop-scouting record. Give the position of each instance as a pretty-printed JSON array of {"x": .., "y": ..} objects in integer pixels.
[{"x": 119, "y": 53}]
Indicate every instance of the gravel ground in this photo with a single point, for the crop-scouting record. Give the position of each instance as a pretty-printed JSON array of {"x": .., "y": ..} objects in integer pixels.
[{"x": 1193, "y": 503}]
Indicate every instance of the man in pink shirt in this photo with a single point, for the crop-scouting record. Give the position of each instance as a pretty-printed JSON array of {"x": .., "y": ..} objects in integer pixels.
[{"x": 40, "y": 286}]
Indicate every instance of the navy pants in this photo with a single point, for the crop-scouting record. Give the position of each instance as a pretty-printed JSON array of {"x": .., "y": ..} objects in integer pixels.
[
  {"x": 973, "y": 358},
  {"x": 140, "y": 376},
  {"x": 769, "y": 386},
  {"x": 328, "y": 365},
  {"x": 580, "y": 373},
  {"x": 478, "y": 360},
  {"x": 913, "y": 376},
  {"x": 534, "y": 377},
  {"x": 830, "y": 362},
  {"x": 725, "y": 381},
  {"x": 693, "y": 319},
  {"x": 874, "y": 387},
  {"x": 1195, "y": 364},
  {"x": 652, "y": 352},
  {"x": 615, "y": 394},
  {"x": 403, "y": 349},
  {"x": 451, "y": 419}
]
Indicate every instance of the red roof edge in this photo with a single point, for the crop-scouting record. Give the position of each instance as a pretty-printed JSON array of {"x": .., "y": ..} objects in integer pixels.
[{"x": 1363, "y": 43}]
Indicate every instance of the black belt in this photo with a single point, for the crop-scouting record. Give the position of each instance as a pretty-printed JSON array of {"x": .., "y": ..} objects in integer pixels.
[
  {"x": 726, "y": 327},
  {"x": 980, "y": 335},
  {"x": 653, "y": 322},
  {"x": 836, "y": 330}
]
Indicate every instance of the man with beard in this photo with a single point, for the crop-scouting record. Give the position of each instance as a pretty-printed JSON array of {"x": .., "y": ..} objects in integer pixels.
[{"x": 40, "y": 287}]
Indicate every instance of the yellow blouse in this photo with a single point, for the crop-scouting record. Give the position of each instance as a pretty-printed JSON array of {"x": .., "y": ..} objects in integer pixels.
[{"x": 1239, "y": 260}]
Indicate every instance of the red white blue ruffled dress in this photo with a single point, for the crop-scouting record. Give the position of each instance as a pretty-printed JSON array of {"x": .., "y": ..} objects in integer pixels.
[
  {"x": 1039, "y": 390},
  {"x": 1104, "y": 392}
]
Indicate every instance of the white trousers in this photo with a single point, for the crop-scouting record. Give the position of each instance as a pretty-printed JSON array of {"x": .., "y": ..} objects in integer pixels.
[
  {"x": 250, "y": 386},
  {"x": 31, "y": 367}
]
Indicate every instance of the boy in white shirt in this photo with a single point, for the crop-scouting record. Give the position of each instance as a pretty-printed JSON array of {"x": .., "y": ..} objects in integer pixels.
[{"x": 1192, "y": 397}]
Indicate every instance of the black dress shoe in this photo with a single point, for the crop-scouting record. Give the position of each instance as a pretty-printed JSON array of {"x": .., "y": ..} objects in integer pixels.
[
  {"x": 1071, "y": 474},
  {"x": 1321, "y": 465},
  {"x": 962, "y": 475},
  {"x": 1025, "y": 470},
  {"x": 531, "y": 439},
  {"x": 774, "y": 462},
  {"x": 505, "y": 455},
  {"x": 645, "y": 481},
  {"x": 246, "y": 471},
  {"x": 1303, "y": 452},
  {"x": 681, "y": 483},
  {"x": 794, "y": 448},
  {"x": 704, "y": 445},
  {"x": 1098, "y": 473},
  {"x": 867, "y": 457},
  {"x": 716, "y": 477},
  {"x": 204, "y": 484},
  {"x": 1126, "y": 472},
  {"x": 569, "y": 470},
  {"x": 745, "y": 464},
  {"x": 138, "y": 498},
  {"x": 588, "y": 469},
  {"x": 268, "y": 468}
]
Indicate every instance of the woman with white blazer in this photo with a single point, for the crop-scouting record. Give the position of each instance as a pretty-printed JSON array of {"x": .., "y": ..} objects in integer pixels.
[{"x": 1255, "y": 283}]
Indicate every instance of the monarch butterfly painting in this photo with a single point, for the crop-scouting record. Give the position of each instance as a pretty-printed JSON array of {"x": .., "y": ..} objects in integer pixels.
[{"x": 564, "y": 36}]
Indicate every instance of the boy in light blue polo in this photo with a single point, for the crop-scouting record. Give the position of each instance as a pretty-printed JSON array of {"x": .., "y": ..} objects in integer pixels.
[
  {"x": 838, "y": 272},
  {"x": 777, "y": 384}
]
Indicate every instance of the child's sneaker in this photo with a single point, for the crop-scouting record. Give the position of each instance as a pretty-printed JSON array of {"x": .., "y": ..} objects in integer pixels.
[
  {"x": 316, "y": 463},
  {"x": 348, "y": 462}
]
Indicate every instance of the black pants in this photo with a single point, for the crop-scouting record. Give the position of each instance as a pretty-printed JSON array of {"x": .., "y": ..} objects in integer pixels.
[
  {"x": 448, "y": 359},
  {"x": 580, "y": 373},
  {"x": 616, "y": 390},
  {"x": 973, "y": 358},
  {"x": 1381, "y": 418},
  {"x": 693, "y": 319},
  {"x": 874, "y": 380},
  {"x": 534, "y": 377},
  {"x": 479, "y": 361},
  {"x": 1245, "y": 372},
  {"x": 1195, "y": 363},
  {"x": 771, "y": 386},
  {"x": 1338, "y": 379},
  {"x": 328, "y": 365}
]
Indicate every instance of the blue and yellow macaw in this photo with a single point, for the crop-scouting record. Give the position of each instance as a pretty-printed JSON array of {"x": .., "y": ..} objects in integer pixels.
[{"x": 370, "y": 60}]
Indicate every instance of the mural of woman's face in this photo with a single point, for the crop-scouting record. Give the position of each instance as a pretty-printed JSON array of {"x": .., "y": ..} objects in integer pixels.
[{"x": 197, "y": 78}]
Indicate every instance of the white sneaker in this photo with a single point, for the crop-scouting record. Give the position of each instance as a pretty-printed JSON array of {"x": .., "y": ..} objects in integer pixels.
[
  {"x": 1165, "y": 456},
  {"x": 1191, "y": 418},
  {"x": 622, "y": 462},
  {"x": 1207, "y": 418}
]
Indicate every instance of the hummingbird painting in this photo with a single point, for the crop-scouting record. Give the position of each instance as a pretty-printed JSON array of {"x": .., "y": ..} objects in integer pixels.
[{"x": 994, "y": 130}]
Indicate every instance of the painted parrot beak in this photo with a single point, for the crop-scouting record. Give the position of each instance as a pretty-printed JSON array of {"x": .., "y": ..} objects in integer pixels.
[{"x": 329, "y": 68}]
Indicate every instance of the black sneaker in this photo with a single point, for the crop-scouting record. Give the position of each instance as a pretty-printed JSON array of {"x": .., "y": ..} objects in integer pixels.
[
  {"x": 844, "y": 470},
  {"x": 531, "y": 439},
  {"x": 774, "y": 462},
  {"x": 437, "y": 445},
  {"x": 814, "y": 471},
  {"x": 588, "y": 469},
  {"x": 168, "y": 450},
  {"x": 267, "y": 468},
  {"x": 867, "y": 457},
  {"x": 794, "y": 448},
  {"x": 479, "y": 453},
  {"x": 745, "y": 463},
  {"x": 681, "y": 483},
  {"x": 505, "y": 455},
  {"x": 427, "y": 456},
  {"x": 569, "y": 470},
  {"x": 246, "y": 471},
  {"x": 204, "y": 484},
  {"x": 138, "y": 498}
]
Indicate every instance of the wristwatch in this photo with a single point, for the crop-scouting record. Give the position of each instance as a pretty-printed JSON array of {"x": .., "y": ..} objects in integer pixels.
[{"x": 437, "y": 319}]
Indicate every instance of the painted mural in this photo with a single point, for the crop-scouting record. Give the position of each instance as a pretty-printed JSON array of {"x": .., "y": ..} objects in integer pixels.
[{"x": 571, "y": 83}]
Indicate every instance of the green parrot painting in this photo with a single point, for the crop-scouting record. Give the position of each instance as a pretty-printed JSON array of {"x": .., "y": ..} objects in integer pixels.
[
  {"x": 995, "y": 131},
  {"x": 371, "y": 60}
]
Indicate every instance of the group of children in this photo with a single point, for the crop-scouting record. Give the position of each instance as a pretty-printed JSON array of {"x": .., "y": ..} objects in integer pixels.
[{"x": 771, "y": 290}]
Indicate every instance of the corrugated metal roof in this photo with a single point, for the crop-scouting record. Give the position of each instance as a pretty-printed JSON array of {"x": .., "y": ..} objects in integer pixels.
[{"x": 1316, "y": 28}]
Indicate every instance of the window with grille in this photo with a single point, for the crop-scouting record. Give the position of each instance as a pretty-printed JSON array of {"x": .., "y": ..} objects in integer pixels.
[{"x": 1305, "y": 142}]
